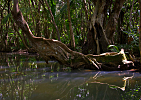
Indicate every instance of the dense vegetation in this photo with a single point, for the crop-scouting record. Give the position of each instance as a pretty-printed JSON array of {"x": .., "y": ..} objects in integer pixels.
[{"x": 63, "y": 20}]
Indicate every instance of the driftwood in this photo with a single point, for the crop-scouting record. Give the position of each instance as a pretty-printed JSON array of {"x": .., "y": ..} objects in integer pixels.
[{"x": 49, "y": 48}]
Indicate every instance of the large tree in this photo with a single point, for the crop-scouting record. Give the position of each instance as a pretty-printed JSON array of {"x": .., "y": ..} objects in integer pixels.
[
  {"x": 102, "y": 25},
  {"x": 70, "y": 26}
]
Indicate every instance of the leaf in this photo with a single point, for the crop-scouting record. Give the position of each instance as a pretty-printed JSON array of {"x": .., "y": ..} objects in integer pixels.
[
  {"x": 113, "y": 48},
  {"x": 53, "y": 7},
  {"x": 5, "y": 19}
]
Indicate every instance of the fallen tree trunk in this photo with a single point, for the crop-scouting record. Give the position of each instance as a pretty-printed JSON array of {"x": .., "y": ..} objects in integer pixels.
[
  {"x": 49, "y": 48},
  {"x": 112, "y": 60}
]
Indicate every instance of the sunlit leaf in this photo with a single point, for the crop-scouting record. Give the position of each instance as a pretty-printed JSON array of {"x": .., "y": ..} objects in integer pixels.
[{"x": 113, "y": 48}]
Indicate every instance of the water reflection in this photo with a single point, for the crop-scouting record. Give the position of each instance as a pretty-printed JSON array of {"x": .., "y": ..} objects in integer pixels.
[{"x": 25, "y": 77}]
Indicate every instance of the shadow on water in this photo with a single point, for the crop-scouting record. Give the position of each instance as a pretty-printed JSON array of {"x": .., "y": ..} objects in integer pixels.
[{"x": 27, "y": 77}]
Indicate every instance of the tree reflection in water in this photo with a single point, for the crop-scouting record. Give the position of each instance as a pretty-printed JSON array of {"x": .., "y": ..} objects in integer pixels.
[{"x": 25, "y": 77}]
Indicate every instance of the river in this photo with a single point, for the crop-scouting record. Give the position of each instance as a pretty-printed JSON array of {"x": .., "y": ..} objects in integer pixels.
[{"x": 28, "y": 77}]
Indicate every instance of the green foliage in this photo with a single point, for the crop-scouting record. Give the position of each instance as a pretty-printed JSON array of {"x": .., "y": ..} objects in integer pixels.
[
  {"x": 134, "y": 35},
  {"x": 64, "y": 38},
  {"x": 5, "y": 19},
  {"x": 53, "y": 7},
  {"x": 133, "y": 39},
  {"x": 80, "y": 25}
]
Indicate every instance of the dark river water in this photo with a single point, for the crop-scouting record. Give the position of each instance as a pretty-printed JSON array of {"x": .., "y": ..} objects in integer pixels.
[{"x": 27, "y": 77}]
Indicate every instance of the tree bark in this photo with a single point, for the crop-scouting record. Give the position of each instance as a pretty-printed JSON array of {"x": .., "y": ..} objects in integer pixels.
[
  {"x": 92, "y": 26},
  {"x": 102, "y": 36},
  {"x": 111, "y": 26},
  {"x": 70, "y": 26},
  {"x": 96, "y": 38}
]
